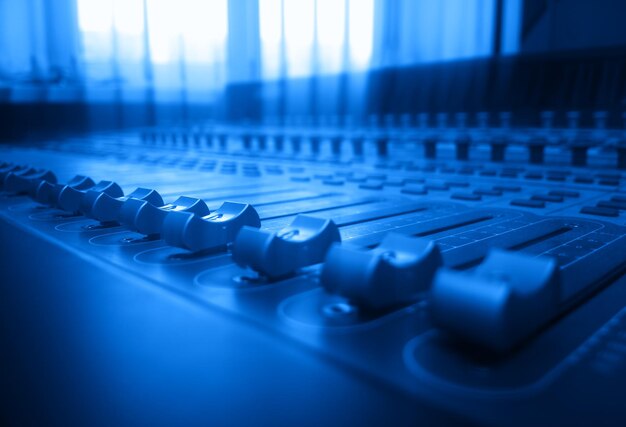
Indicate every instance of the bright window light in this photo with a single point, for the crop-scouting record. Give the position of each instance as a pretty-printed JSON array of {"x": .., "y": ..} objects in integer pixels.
[
  {"x": 270, "y": 17},
  {"x": 190, "y": 29},
  {"x": 331, "y": 29},
  {"x": 128, "y": 16},
  {"x": 299, "y": 35},
  {"x": 95, "y": 15},
  {"x": 361, "y": 24}
]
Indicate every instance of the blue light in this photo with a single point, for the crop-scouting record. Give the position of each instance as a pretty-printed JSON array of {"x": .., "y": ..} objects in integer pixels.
[
  {"x": 300, "y": 38},
  {"x": 361, "y": 32}
]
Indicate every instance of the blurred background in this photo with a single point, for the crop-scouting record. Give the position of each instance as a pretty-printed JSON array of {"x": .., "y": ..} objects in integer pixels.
[{"x": 75, "y": 65}]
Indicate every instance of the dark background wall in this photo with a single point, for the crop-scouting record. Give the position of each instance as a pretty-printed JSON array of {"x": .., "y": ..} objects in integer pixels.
[{"x": 557, "y": 25}]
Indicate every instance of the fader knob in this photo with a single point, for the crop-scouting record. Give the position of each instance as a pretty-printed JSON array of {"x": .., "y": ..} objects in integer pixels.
[
  {"x": 278, "y": 253},
  {"x": 394, "y": 273},
  {"x": 382, "y": 145},
  {"x": 48, "y": 193},
  {"x": 579, "y": 149},
  {"x": 147, "y": 218},
  {"x": 107, "y": 209},
  {"x": 430, "y": 147},
  {"x": 27, "y": 183},
  {"x": 498, "y": 149},
  {"x": 222, "y": 140},
  {"x": 315, "y": 141},
  {"x": 217, "y": 229},
  {"x": 296, "y": 143},
  {"x": 357, "y": 144},
  {"x": 279, "y": 142},
  {"x": 536, "y": 150},
  {"x": 335, "y": 145},
  {"x": 12, "y": 168},
  {"x": 246, "y": 140},
  {"x": 499, "y": 304},
  {"x": 70, "y": 198},
  {"x": 462, "y": 147},
  {"x": 621, "y": 154}
]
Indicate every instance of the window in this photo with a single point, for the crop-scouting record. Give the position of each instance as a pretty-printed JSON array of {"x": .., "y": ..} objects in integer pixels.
[
  {"x": 303, "y": 37},
  {"x": 182, "y": 41}
]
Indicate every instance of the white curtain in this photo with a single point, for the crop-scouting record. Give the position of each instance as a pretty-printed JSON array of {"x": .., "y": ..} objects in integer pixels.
[
  {"x": 176, "y": 47},
  {"x": 419, "y": 31},
  {"x": 38, "y": 42}
]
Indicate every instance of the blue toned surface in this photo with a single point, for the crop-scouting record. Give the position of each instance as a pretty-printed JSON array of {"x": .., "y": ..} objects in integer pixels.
[
  {"x": 148, "y": 218},
  {"x": 500, "y": 303},
  {"x": 396, "y": 272},
  {"x": 194, "y": 232},
  {"x": 302, "y": 243},
  {"x": 107, "y": 209}
]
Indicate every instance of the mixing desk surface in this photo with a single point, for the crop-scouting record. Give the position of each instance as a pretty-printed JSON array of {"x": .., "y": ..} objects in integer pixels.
[{"x": 444, "y": 274}]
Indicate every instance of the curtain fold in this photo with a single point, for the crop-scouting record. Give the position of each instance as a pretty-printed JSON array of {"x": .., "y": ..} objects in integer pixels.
[{"x": 180, "y": 49}]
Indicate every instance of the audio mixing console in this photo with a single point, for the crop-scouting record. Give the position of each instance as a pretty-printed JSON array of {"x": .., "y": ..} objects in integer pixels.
[{"x": 473, "y": 271}]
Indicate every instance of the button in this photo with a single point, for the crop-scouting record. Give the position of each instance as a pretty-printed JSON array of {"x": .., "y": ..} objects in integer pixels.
[
  {"x": 415, "y": 189},
  {"x": 146, "y": 218},
  {"x": 621, "y": 199},
  {"x": 27, "y": 183},
  {"x": 436, "y": 187},
  {"x": 462, "y": 184},
  {"x": 323, "y": 176},
  {"x": 466, "y": 196},
  {"x": 599, "y": 211},
  {"x": 107, "y": 209},
  {"x": 372, "y": 186},
  {"x": 377, "y": 176},
  {"x": 528, "y": 203},
  {"x": 70, "y": 199},
  {"x": 217, "y": 229},
  {"x": 466, "y": 170},
  {"x": 335, "y": 182},
  {"x": 533, "y": 175},
  {"x": 300, "y": 179},
  {"x": 48, "y": 193},
  {"x": 547, "y": 198},
  {"x": 613, "y": 205},
  {"x": 487, "y": 192},
  {"x": 501, "y": 303},
  {"x": 394, "y": 182},
  {"x": 564, "y": 193},
  {"x": 610, "y": 176},
  {"x": 275, "y": 254},
  {"x": 560, "y": 178},
  {"x": 508, "y": 188},
  {"x": 357, "y": 178},
  {"x": 395, "y": 273}
]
